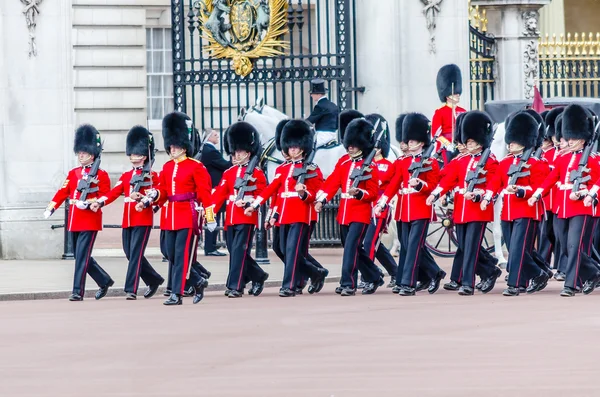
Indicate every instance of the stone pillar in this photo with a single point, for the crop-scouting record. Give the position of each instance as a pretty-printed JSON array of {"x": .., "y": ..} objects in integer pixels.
[
  {"x": 514, "y": 23},
  {"x": 552, "y": 18},
  {"x": 395, "y": 61},
  {"x": 36, "y": 126}
]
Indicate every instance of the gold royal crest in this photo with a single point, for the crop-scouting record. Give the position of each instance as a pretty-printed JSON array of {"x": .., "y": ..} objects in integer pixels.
[{"x": 242, "y": 30}]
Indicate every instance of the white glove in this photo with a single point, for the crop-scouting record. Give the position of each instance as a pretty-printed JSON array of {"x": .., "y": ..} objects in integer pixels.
[
  {"x": 48, "y": 214},
  {"x": 199, "y": 208},
  {"x": 152, "y": 194},
  {"x": 82, "y": 205}
]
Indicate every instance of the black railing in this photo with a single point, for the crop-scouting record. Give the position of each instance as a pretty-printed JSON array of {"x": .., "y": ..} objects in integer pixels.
[{"x": 481, "y": 64}]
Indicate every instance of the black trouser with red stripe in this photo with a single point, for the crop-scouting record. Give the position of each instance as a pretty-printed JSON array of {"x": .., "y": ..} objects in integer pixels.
[
  {"x": 546, "y": 238},
  {"x": 242, "y": 267},
  {"x": 377, "y": 250},
  {"x": 519, "y": 236},
  {"x": 486, "y": 264},
  {"x": 277, "y": 244},
  {"x": 135, "y": 239},
  {"x": 580, "y": 266},
  {"x": 83, "y": 243},
  {"x": 179, "y": 245},
  {"x": 422, "y": 277},
  {"x": 470, "y": 236},
  {"x": 291, "y": 242},
  {"x": 561, "y": 230},
  {"x": 417, "y": 257},
  {"x": 355, "y": 257},
  {"x": 311, "y": 266}
]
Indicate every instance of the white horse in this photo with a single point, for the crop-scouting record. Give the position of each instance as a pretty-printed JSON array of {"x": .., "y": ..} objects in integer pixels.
[{"x": 499, "y": 150}]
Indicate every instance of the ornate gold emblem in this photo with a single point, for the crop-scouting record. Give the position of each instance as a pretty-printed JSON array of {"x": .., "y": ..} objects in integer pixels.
[{"x": 243, "y": 30}]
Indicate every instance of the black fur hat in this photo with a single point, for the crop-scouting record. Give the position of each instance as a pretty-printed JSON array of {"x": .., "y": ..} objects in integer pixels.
[
  {"x": 385, "y": 140},
  {"x": 345, "y": 118},
  {"x": 459, "y": 120},
  {"x": 541, "y": 126},
  {"x": 449, "y": 81},
  {"x": 522, "y": 129},
  {"x": 550, "y": 121},
  {"x": 478, "y": 126},
  {"x": 416, "y": 127},
  {"x": 360, "y": 135},
  {"x": 297, "y": 133},
  {"x": 558, "y": 131},
  {"x": 87, "y": 139},
  {"x": 577, "y": 123},
  {"x": 175, "y": 132},
  {"x": 399, "y": 133},
  {"x": 278, "y": 130},
  {"x": 140, "y": 141},
  {"x": 242, "y": 136}
]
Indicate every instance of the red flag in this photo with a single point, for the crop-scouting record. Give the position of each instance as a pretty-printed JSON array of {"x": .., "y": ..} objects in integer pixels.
[{"x": 538, "y": 102}]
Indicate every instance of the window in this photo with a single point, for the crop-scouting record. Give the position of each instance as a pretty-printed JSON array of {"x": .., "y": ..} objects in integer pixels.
[{"x": 159, "y": 69}]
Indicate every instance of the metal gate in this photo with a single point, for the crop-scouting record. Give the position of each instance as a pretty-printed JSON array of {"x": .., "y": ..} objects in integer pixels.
[{"x": 482, "y": 59}]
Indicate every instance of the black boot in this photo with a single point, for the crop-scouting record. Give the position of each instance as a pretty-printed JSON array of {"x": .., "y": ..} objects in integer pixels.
[{"x": 173, "y": 300}]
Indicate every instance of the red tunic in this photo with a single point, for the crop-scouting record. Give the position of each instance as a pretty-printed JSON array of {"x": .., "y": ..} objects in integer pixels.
[
  {"x": 181, "y": 178},
  {"x": 226, "y": 192},
  {"x": 413, "y": 206},
  {"x": 291, "y": 208},
  {"x": 563, "y": 166},
  {"x": 444, "y": 118},
  {"x": 455, "y": 179},
  {"x": 514, "y": 207},
  {"x": 351, "y": 209},
  {"x": 131, "y": 217},
  {"x": 550, "y": 155},
  {"x": 386, "y": 172},
  {"x": 82, "y": 220}
]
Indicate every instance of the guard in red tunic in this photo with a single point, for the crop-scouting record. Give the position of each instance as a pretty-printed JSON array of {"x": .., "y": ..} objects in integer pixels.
[
  {"x": 238, "y": 188},
  {"x": 518, "y": 175},
  {"x": 380, "y": 224},
  {"x": 449, "y": 87},
  {"x": 184, "y": 185},
  {"x": 470, "y": 220},
  {"x": 415, "y": 214},
  {"x": 137, "y": 225},
  {"x": 578, "y": 126},
  {"x": 296, "y": 185},
  {"x": 84, "y": 185},
  {"x": 355, "y": 208},
  {"x": 547, "y": 242}
]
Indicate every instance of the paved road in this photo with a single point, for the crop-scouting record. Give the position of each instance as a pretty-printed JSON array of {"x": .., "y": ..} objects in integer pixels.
[{"x": 322, "y": 345}]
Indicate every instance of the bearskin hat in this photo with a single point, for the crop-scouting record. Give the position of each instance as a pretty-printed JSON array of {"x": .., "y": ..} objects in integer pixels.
[
  {"x": 457, "y": 125},
  {"x": 558, "y": 131},
  {"x": 297, "y": 133},
  {"x": 175, "y": 131},
  {"x": 577, "y": 123},
  {"x": 550, "y": 121},
  {"x": 449, "y": 81},
  {"x": 416, "y": 127},
  {"x": 385, "y": 140},
  {"x": 87, "y": 139},
  {"x": 242, "y": 136},
  {"x": 278, "y": 130},
  {"x": 399, "y": 133},
  {"x": 359, "y": 134},
  {"x": 478, "y": 126},
  {"x": 522, "y": 129},
  {"x": 345, "y": 118},
  {"x": 140, "y": 141},
  {"x": 541, "y": 126}
]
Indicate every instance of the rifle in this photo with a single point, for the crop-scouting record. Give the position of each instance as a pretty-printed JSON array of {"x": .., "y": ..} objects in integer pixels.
[
  {"x": 301, "y": 174},
  {"x": 139, "y": 180},
  {"x": 358, "y": 174},
  {"x": 241, "y": 183},
  {"x": 473, "y": 176},
  {"x": 85, "y": 185},
  {"x": 419, "y": 167},
  {"x": 577, "y": 177},
  {"x": 515, "y": 171}
]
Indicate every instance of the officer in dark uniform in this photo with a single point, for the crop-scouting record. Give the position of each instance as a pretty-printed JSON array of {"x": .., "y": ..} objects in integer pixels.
[{"x": 325, "y": 113}]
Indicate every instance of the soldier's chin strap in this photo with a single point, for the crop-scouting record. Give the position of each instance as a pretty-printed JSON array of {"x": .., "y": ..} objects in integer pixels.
[
  {"x": 177, "y": 155},
  {"x": 356, "y": 154}
]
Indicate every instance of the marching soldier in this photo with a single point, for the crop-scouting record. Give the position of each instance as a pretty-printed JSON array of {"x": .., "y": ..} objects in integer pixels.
[
  {"x": 415, "y": 215},
  {"x": 242, "y": 141},
  {"x": 379, "y": 225},
  {"x": 325, "y": 113},
  {"x": 137, "y": 225},
  {"x": 517, "y": 176},
  {"x": 84, "y": 185},
  {"x": 449, "y": 87},
  {"x": 295, "y": 198},
  {"x": 470, "y": 219},
  {"x": 571, "y": 171},
  {"x": 355, "y": 209},
  {"x": 184, "y": 184}
]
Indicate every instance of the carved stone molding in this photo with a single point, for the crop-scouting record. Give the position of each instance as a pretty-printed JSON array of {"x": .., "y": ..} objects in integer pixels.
[
  {"x": 530, "y": 67},
  {"x": 530, "y": 23},
  {"x": 431, "y": 10},
  {"x": 31, "y": 11}
]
